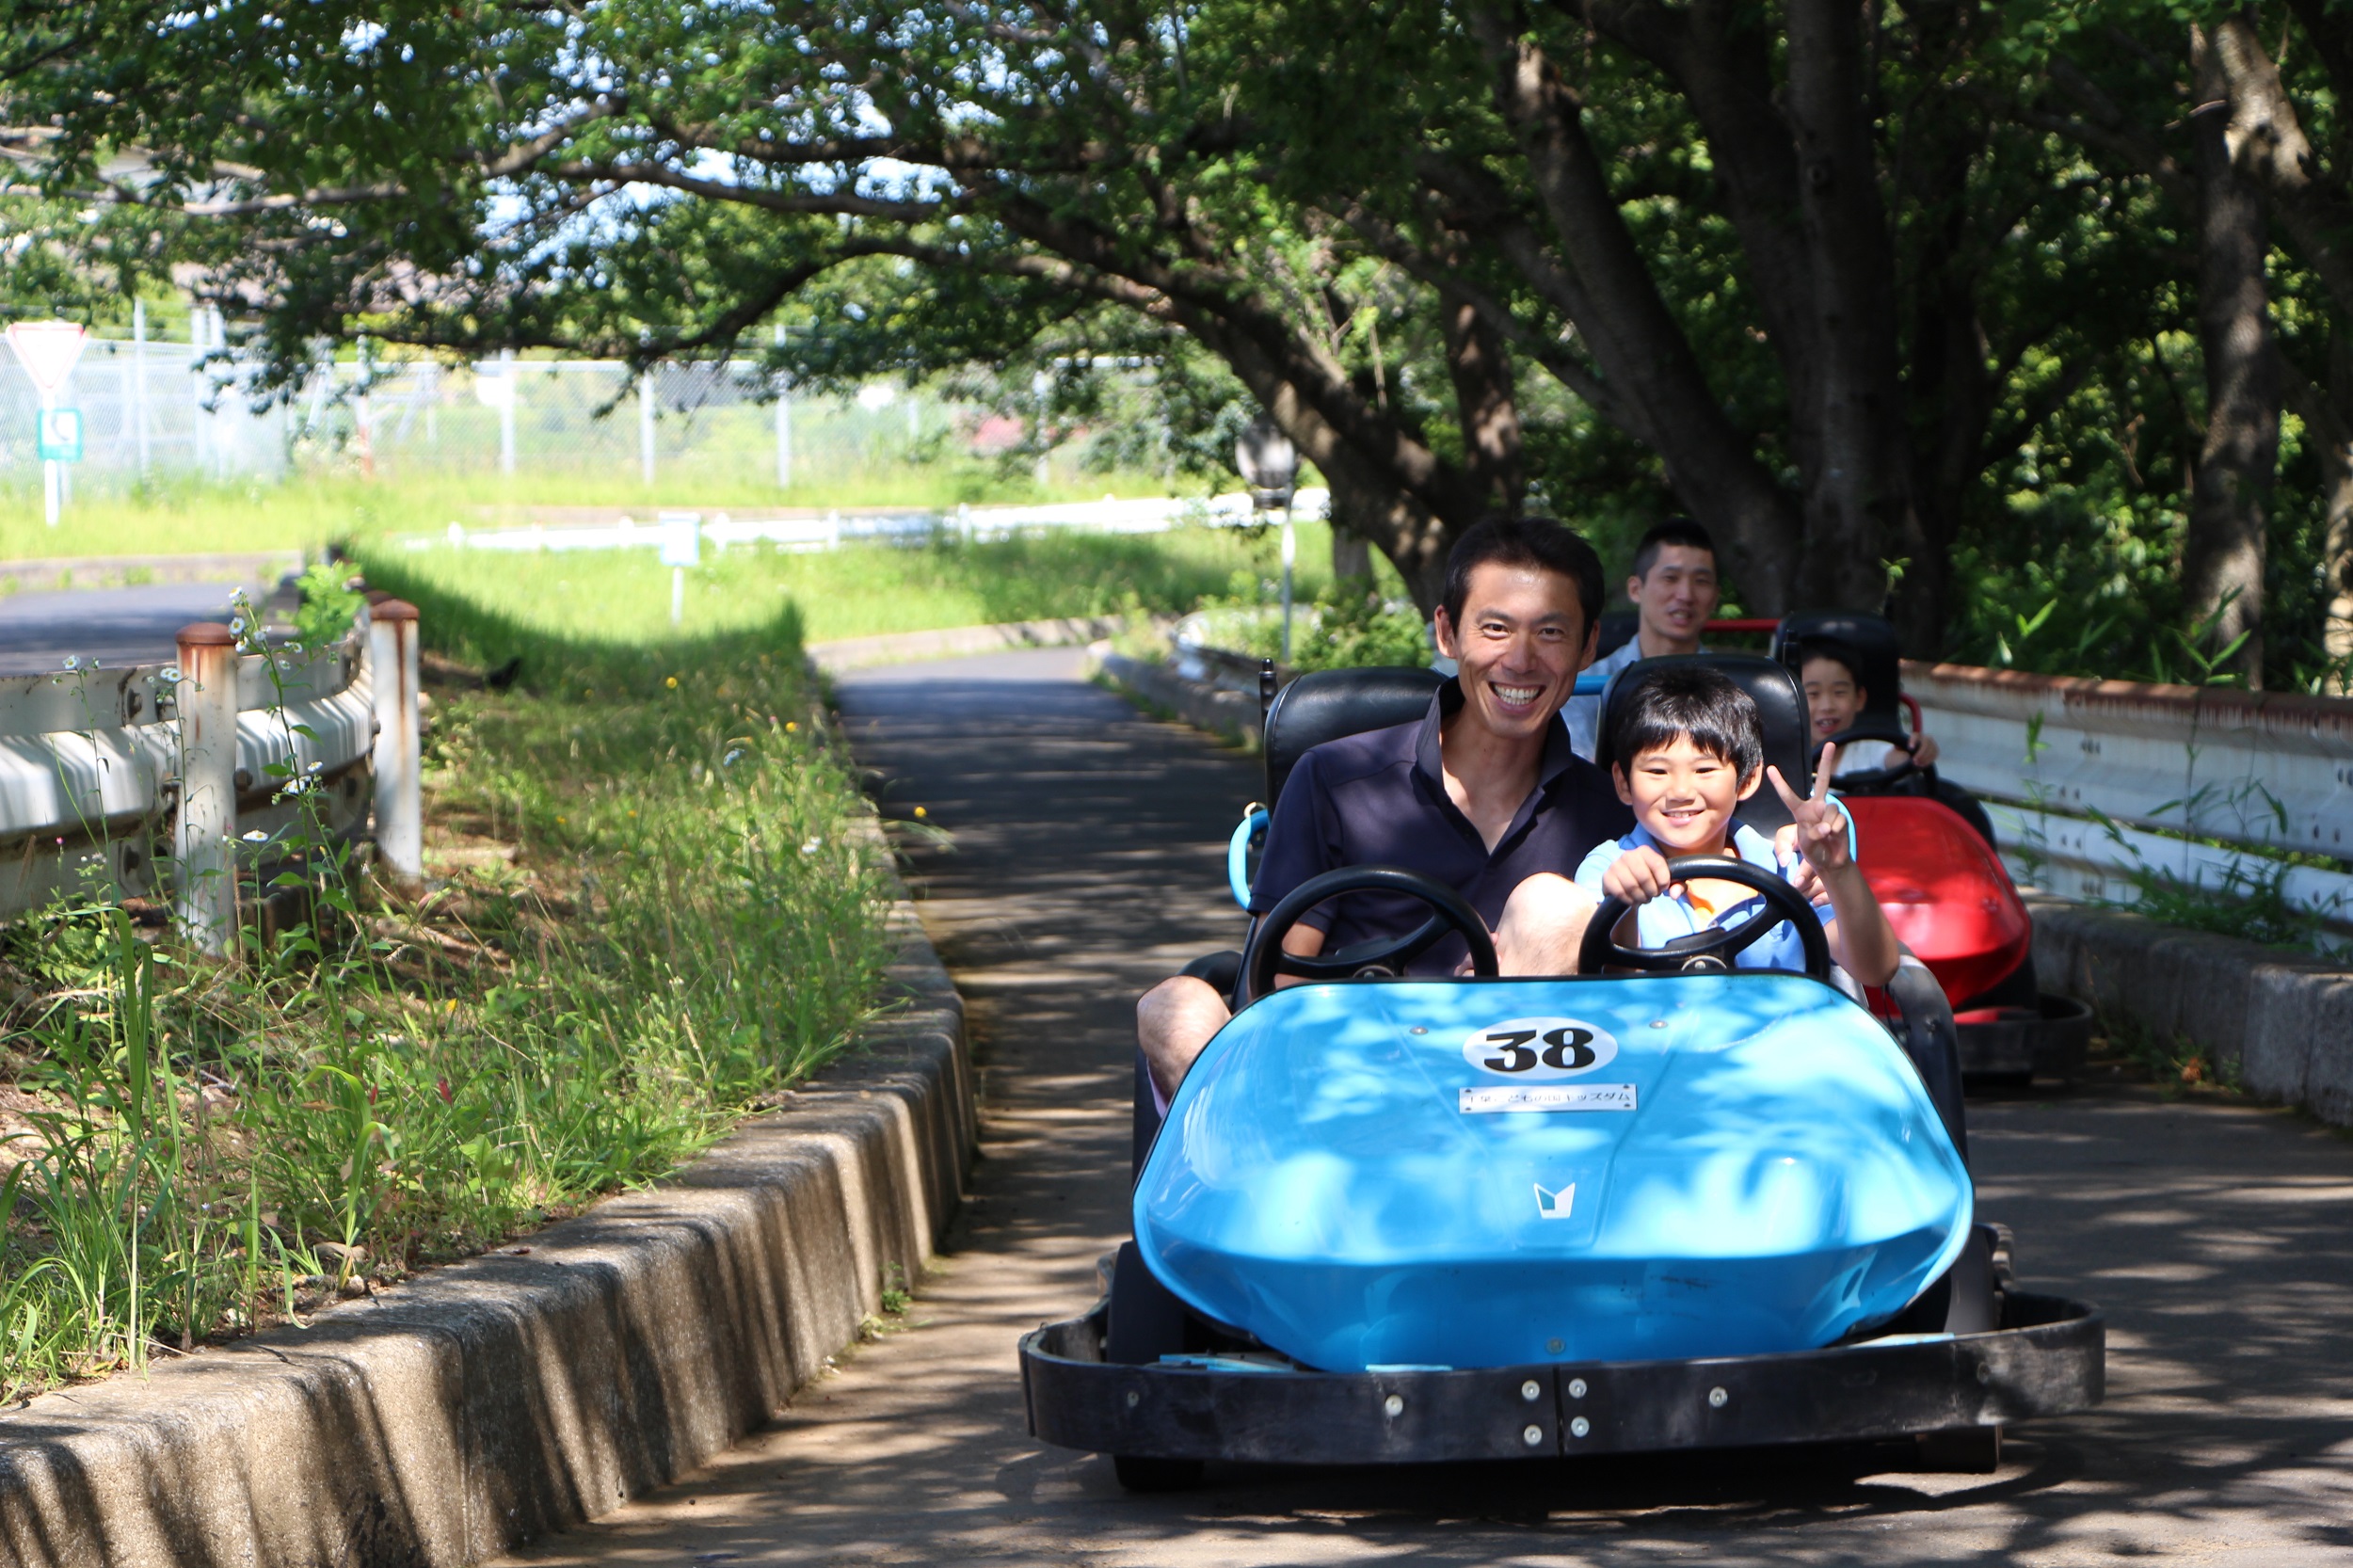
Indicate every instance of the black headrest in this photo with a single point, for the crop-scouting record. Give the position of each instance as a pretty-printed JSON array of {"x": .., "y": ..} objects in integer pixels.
[
  {"x": 1869, "y": 640},
  {"x": 1617, "y": 630},
  {"x": 1324, "y": 704},
  {"x": 1779, "y": 704}
]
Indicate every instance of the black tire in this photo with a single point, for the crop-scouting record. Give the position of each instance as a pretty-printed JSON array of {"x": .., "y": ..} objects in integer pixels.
[
  {"x": 1959, "y": 1450},
  {"x": 1156, "y": 1475}
]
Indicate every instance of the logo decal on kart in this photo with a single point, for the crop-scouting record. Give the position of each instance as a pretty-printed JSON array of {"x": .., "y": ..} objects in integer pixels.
[{"x": 1534, "y": 1049}]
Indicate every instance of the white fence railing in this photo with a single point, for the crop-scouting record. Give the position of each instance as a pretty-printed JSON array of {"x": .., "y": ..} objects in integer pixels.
[
  {"x": 91, "y": 761},
  {"x": 2094, "y": 783},
  {"x": 813, "y": 531}
]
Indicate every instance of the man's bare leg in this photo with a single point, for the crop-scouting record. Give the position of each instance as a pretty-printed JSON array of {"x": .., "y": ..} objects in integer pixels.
[
  {"x": 1173, "y": 1020},
  {"x": 1543, "y": 925}
]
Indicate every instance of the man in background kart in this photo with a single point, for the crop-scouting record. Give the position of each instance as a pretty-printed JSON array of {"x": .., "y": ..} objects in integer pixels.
[
  {"x": 1483, "y": 794},
  {"x": 1673, "y": 591},
  {"x": 1835, "y": 697}
]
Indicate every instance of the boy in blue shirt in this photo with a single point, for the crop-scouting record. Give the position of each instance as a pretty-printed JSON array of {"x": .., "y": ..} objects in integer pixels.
[{"x": 1688, "y": 748}]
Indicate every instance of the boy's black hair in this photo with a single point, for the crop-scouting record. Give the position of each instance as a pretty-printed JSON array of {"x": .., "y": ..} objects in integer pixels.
[
  {"x": 1523, "y": 542},
  {"x": 1838, "y": 653},
  {"x": 1675, "y": 531},
  {"x": 1689, "y": 699}
]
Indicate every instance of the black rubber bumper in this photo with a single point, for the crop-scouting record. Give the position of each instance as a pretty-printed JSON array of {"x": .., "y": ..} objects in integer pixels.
[
  {"x": 2048, "y": 1040},
  {"x": 2048, "y": 1357}
]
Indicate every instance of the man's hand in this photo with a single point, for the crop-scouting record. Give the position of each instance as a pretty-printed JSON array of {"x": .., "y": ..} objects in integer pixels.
[
  {"x": 1638, "y": 876},
  {"x": 1820, "y": 825}
]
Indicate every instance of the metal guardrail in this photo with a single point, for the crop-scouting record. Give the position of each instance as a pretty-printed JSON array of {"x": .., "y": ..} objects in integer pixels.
[
  {"x": 93, "y": 764},
  {"x": 2093, "y": 782}
]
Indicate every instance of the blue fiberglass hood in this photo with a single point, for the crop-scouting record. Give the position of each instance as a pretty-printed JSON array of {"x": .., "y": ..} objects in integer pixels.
[{"x": 1497, "y": 1173}]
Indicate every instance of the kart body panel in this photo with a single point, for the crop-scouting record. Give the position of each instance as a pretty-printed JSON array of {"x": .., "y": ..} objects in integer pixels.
[
  {"x": 1479, "y": 1173},
  {"x": 1946, "y": 893}
]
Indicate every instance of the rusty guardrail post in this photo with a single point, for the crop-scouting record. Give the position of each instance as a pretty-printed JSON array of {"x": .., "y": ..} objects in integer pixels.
[
  {"x": 205, "y": 903},
  {"x": 399, "y": 790}
]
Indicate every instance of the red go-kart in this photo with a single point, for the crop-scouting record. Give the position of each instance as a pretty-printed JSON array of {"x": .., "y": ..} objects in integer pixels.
[{"x": 1927, "y": 850}]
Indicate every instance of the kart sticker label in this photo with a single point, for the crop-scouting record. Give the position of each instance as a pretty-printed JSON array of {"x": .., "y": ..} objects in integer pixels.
[
  {"x": 1532, "y": 1050},
  {"x": 1555, "y": 1206},
  {"x": 1546, "y": 1096}
]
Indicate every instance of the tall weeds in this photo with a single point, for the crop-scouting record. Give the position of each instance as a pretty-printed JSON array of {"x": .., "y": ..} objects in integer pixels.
[{"x": 690, "y": 920}]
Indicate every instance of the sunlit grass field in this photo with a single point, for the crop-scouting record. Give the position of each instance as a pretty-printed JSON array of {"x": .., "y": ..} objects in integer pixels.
[{"x": 305, "y": 513}]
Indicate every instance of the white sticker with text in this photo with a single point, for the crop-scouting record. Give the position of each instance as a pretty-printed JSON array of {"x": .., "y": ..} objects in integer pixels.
[{"x": 1547, "y": 1096}]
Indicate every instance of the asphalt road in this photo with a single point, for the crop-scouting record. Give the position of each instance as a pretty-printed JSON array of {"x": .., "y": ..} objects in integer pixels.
[
  {"x": 113, "y": 626},
  {"x": 1086, "y": 862}
]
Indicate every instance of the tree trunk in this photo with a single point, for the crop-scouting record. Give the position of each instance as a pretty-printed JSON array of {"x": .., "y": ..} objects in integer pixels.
[
  {"x": 1858, "y": 495},
  {"x": 2222, "y": 554},
  {"x": 2327, "y": 416},
  {"x": 1482, "y": 369},
  {"x": 1632, "y": 335}
]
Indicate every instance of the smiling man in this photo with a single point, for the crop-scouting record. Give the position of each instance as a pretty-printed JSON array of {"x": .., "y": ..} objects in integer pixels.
[
  {"x": 1673, "y": 592},
  {"x": 1483, "y": 792}
]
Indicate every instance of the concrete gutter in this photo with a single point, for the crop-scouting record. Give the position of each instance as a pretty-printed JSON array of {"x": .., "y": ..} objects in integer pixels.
[
  {"x": 489, "y": 1404},
  {"x": 1203, "y": 704},
  {"x": 64, "y": 572},
  {"x": 2281, "y": 1022},
  {"x": 900, "y": 647}
]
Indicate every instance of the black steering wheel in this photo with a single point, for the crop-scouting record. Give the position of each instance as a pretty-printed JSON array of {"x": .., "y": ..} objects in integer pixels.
[
  {"x": 1712, "y": 950},
  {"x": 1873, "y": 780},
  {"x": 1374, "y": 958}
]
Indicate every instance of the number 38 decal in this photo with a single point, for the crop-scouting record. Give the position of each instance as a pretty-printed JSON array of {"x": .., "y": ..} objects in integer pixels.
[{"x": 1527, "y": 1048}]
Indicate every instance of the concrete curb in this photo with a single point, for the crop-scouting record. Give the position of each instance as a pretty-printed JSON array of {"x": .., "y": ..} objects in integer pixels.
[
  {"x": 488, "y": 1403},
  {"x": 2282, "y": 1021},
  {"x": 899, "y": 648},
  {"x": 1216, "y": 709}
]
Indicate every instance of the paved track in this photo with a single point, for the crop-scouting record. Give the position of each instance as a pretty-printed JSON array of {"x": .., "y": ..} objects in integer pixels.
[
  {"x": 1087, "y": 861},
  {"x": 115, "y": 626}
]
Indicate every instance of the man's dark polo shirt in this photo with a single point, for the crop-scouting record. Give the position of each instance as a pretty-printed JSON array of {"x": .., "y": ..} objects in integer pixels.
[{"x": 1379, "y": 799}]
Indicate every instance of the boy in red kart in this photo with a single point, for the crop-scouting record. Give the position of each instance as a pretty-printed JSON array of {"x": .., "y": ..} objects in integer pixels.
[
  {"x": 1687, "y": 749},
  {"x": 1835, "y": 697}
]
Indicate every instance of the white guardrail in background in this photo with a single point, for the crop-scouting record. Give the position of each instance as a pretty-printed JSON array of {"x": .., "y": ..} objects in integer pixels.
[
  {"x": 2164, "y": 765},
  {"x": 92, "y": 763},
  {"x": 830, "y": 530}
]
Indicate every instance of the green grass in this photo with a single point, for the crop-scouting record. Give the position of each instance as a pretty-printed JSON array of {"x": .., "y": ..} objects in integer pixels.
[
  {"x": 692, "y": 920},
  {"x": 856, "y": 591}
]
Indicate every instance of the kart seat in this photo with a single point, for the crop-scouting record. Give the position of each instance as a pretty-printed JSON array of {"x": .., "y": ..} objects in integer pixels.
[
  {"x": 1324, "y": 704},
  {"x": 1869, "y": 640},
  {"x": 1617, "y": 630},
  {"x": 1779, "y": 704}
]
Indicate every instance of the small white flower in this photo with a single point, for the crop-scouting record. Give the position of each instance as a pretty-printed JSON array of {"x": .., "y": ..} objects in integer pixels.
[
  {"x": 812, "y": 846},
  {"x": 236, "y": 625},
  {"x": 170, "y": 676},
  {"x": 316, "y": 766},
  {"x": 72, "y": 663},
  {"x": 255, "y": 835}
]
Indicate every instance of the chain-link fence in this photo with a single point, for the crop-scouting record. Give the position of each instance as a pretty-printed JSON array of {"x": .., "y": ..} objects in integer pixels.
[{"x": 161, "y": 408}]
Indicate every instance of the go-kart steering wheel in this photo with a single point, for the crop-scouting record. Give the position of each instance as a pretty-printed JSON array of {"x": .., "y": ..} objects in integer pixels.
[
  {"x": 1451, "y": 914},
  {"x": 1715, "y": 948},
  {"x": 1871, "y": 781}
]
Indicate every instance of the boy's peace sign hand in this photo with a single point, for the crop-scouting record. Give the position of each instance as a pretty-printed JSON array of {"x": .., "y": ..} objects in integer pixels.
[{"x": 1821, "y": 827}]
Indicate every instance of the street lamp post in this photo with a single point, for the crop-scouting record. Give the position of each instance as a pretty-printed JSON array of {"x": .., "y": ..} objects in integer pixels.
[{"x": 1270, "y": 466}]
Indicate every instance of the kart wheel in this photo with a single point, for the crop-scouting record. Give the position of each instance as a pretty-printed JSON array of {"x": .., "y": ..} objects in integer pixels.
[{"x": 1957, "y": 1450}]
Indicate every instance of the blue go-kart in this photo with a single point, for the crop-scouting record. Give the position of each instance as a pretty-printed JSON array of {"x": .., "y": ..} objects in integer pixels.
[{"x": 1395, "y": 1220}]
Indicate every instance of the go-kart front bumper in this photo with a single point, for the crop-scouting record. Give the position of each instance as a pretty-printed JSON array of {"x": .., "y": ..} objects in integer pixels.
[{"x": 2047, "y": 1359}]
